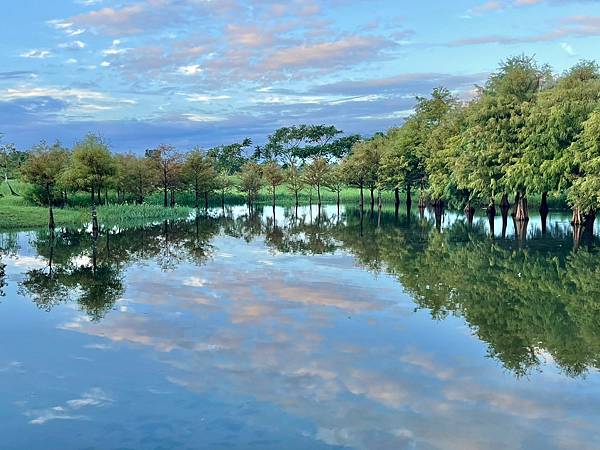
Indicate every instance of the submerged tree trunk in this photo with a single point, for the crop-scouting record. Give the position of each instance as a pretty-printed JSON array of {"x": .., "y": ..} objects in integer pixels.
[
  {"x": 522, "y": 211},
  {"x": 372, "y": 189},
  {"x": 206, "y": 200},
  {"x": 544, "y": 209},
  {"x": 470, "y": 212},
  {"x": 172, "y": 198},
  {"x": 273, "y": 192},
  {"x": 408, "y": 199},
  {"x": 196, "y": 193},
  {"x": 491, "y": 215},
  {"x": 397, "y": 200},
  {"x": 438, "y": 209},
  {"x": 521, "y": 229},
  {"x": 297, "y": 202}
]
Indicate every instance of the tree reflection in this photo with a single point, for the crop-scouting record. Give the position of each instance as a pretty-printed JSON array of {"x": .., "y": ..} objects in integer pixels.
[{"x": 528, "y": 299}]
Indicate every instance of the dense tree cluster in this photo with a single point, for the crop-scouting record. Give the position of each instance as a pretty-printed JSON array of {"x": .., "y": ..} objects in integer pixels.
[{"x": 525, "y": 132}]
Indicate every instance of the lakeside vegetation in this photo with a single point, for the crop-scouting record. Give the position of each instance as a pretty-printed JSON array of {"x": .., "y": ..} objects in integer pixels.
[{"x": 526, "y": 135}]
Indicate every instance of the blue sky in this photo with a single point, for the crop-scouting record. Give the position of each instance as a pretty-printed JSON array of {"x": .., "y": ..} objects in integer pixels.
[{"x": 206, "y": 72}]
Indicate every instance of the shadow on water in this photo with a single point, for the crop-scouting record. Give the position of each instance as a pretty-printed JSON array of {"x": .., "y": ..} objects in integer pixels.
[{"x": 526, "y": 290}]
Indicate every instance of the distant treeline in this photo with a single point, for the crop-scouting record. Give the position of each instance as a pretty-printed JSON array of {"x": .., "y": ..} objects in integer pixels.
[{"x": 526, "y": 131}]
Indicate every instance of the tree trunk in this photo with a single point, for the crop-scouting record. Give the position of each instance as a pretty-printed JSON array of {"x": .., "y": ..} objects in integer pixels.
[
  {"x": 93, "y": 196},
  {"x": 297, "y": 202},
  {"x": 408, "y": 199},
  {"x": 522, "y": 213},
  {"x": 273, "y": 192},
  {"x": 165, "y": 188},
  {"x": 470, "y": 212},
  {"x": 362, "y": 197},
  {"x": 577, "y": 217},
  {"x": 491, "y": 214},
  {"x": 319, "y": 195},
  {"x": 397, "y": 198},
  {"x": 372, "y": 189},
  {"x": 544, "y": 209},
  {"x": 439, "y": 212},
  {"x": 196, "y": 194},
  {"x": 172, "y": 198},
  {"x": 51, "y": 224},
  {"x": 223, "y": 199},
  {"x": 206, "y": 200}
]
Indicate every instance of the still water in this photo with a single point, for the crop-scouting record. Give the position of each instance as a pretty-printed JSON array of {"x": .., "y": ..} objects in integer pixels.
[{"x": 238, "y": 330}]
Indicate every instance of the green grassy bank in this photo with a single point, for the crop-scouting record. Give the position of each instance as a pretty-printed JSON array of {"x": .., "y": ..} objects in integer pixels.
[{"x": 21, "y": 212}]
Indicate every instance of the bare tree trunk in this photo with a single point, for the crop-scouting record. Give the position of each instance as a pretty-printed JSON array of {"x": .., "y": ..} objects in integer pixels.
[
  {"x": 51, "y": 224},
  {"x": 408, "y": 199},
  {"x": 206, "y": 200}
]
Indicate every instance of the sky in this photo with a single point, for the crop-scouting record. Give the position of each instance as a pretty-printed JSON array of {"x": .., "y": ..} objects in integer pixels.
[{"x": 210, "y": 72}]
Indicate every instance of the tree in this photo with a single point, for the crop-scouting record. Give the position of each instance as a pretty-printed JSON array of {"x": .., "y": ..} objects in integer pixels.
[
  {"x": 10, "y": 160},
  {"x": 92, "y": 165},
  {"x": 335, "y": 181},
  {"x": 135, "y": 175},
  {"x": 44, "y": 168},
  {"x": 251, "y": 180},
  {"x": 230, "y": 158},
  {"x": 274, "y": 177},
  {"x": 552, "y": 123},
  {"x": 315, "y": 174},
  {"x": 201, "y": 175},
  {"x": 584, "y": 195},
  {"x": 295, "y": 182},
  {"x": 167, "y": 162}
]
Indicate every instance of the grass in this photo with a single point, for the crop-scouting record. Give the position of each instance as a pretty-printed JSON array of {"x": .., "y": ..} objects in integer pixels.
[
  {"x": 20, "y": 212},
  {"x": 17, "y": 212}
]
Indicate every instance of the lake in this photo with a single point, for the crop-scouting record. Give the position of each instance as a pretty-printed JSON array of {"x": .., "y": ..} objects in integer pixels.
[{"x": 285, "y": 330}]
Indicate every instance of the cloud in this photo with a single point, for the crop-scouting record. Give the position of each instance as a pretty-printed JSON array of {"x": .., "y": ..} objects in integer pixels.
[
  {"x": 95, "y": 397},
  {"x": 36, "y": 54}
]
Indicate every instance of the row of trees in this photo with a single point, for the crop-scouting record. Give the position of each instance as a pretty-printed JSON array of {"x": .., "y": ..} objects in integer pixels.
[
  {"x": 301, "y": 156},
  {"x": 525, "y": 132}
]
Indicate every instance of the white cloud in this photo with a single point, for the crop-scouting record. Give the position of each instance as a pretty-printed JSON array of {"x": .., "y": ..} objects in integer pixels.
[
  {"x": 205, "y": 98},
  {"x": 202, "y": 118},
  {"x": 567, "y": 48},
  {"x": 76, "y": 45},
  {"x": 36, "y": 54},
  {"x": 193, "y": 69}
]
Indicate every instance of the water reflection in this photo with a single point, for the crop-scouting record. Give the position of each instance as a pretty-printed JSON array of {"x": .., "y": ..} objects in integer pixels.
[
  {"x": 522, "y": 297},
  {"x": 297, "y": 325}
]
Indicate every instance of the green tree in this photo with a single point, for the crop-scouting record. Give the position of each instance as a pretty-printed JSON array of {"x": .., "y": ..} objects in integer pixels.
[
  {"x": 92, "y": 166},
  {"x": 251, "y": 180},
  {"x": 201, "y": 175},
  {"x": 44, "y": 168},
  {"x": 315, "y": 175},
  {"x": 274, "y": 177},
  {"x": 167, "y": 162}
]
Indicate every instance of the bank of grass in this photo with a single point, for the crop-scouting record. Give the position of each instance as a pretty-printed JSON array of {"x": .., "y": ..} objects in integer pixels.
[
  {"x": 16, "y": 212},
  {"x": 20, "y": 212}
]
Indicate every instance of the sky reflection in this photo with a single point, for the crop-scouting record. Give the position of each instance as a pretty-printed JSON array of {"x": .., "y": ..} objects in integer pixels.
[{"x": 255, "y": 347}]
